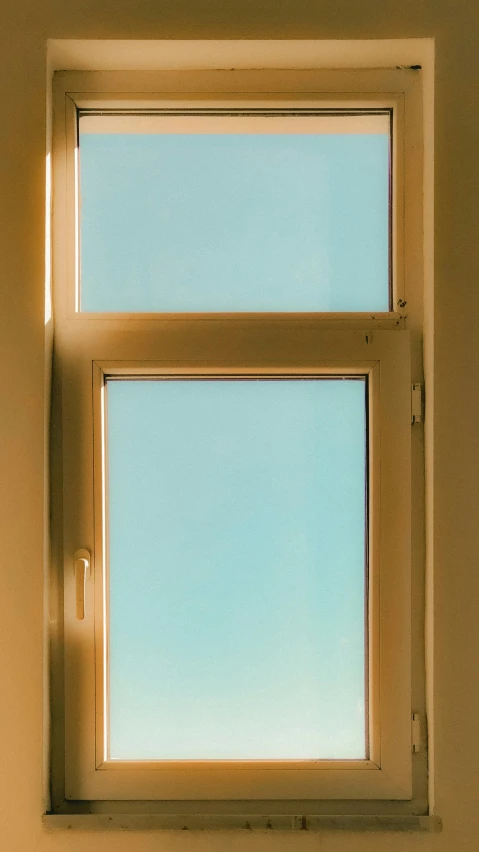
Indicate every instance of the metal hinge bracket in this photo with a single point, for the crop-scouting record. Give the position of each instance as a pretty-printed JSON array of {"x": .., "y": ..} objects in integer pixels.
[
  {"x": 417, "y": 394},
  {"x": 416, "y": 732}
]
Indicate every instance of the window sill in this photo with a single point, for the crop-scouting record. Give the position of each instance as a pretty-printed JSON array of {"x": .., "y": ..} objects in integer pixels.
[{"x": 238, "y": 822}]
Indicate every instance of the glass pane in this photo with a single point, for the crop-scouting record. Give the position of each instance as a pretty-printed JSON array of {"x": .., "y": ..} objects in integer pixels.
[
  {"x": 237, "y": 569},
  {"x": 205, "y": 213}
]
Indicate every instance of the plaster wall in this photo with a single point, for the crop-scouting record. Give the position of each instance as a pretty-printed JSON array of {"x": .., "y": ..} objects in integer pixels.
[{"x": 25, "y": 27}]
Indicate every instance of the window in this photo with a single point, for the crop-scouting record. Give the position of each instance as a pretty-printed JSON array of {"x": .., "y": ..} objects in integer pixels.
[{"x": 235, "y": 371}]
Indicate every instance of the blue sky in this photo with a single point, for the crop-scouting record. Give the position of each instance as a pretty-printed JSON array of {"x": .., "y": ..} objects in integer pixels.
[
  {"x": 236, "y": 568},
  {"x": 225, "y": 222}
]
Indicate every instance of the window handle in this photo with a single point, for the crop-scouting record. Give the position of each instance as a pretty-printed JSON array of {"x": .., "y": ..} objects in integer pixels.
[{"x": 81, "y": 566}]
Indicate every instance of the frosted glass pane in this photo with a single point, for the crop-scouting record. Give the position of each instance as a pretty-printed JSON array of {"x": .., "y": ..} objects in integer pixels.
[
  {"x": 237, "y": 574},
  {"x": 228, "y": 221}
]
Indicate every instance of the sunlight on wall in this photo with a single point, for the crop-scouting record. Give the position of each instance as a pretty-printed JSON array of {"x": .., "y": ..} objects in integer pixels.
[{"x": 48, "y": 245}]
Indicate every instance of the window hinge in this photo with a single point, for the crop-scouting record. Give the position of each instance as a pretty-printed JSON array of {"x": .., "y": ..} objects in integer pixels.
[
  {"x": 416, "y": 732},
  {"x": 417, "y": 393}
]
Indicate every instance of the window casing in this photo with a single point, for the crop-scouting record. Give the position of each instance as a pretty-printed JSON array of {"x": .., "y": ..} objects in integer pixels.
[{"x": 92, "y": 347}]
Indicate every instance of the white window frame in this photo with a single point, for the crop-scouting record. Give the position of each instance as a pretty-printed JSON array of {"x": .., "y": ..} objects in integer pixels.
[{"x": 92, "y": 346}]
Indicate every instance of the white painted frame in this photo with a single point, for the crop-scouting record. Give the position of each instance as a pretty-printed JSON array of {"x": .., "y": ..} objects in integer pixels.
[
  {"x": 385, "y": 360},
  {"x": 83, "y": 339}
]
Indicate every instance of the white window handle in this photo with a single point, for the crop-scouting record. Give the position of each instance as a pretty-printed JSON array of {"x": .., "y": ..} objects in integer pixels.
[{"x": 81, "y": 566}]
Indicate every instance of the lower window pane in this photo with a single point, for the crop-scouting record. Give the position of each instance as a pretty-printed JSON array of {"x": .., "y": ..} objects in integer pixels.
[{"x": 237, "y": 581}]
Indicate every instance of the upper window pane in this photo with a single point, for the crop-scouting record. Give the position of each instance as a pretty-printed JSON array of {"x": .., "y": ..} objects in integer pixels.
[{"x": 223, "y": 213}]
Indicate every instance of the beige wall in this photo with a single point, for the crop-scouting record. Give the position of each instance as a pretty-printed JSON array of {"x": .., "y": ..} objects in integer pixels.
[{"x": 24, "y": 27}]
